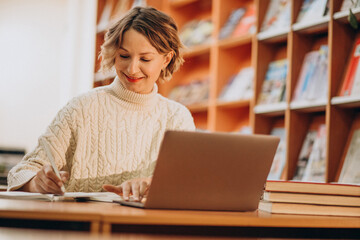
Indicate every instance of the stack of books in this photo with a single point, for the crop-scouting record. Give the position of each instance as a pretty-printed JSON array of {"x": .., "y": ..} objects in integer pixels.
[{"x": 329, "y": 199}]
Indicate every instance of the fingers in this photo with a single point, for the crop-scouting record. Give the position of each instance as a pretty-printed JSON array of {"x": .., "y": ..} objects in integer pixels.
[
  {"x": 64, "y": 176},
  {"x": 136, "y": 187},
  {"x": 46, "y": 181},
  {"x": 112, "y": 188}
]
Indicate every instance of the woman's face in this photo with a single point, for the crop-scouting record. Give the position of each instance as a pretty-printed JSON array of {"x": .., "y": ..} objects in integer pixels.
[{"x": 138, "y": 64}]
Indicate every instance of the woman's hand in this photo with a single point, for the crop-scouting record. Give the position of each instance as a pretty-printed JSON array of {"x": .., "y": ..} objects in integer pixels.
[
  {"x": 46, "y": 181},
  {"x": 137, "y": 187}
]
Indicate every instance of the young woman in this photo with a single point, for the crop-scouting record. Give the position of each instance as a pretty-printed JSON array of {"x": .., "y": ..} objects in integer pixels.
[{"x": 109, "y": 138}]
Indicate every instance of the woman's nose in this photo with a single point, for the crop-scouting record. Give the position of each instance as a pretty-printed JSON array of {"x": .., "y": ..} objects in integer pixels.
[{"x": 133, "y": 67}]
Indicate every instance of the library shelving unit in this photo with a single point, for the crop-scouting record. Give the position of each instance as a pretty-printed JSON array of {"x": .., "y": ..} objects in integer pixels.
[{"x": 217, "y": 60}]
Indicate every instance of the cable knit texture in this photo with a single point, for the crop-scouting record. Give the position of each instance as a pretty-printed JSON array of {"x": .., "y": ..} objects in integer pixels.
[{"x": 106, "y": 136}]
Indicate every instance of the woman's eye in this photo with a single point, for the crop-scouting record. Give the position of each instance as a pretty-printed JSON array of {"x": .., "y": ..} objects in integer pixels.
[
  {"x": 124, "y": 56},
  {"x": 145, "y": 60}
]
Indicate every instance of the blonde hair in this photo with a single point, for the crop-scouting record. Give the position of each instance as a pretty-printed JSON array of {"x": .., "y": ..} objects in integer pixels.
[{"x": 159, "y": 28}]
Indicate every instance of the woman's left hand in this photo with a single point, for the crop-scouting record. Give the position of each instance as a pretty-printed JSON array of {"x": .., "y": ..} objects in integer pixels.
[{"x": 137, "y": 187}]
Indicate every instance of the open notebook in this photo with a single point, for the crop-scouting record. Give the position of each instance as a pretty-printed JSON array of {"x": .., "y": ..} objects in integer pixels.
[
  {"x": 210, "y": 171},
  {"x": 68, "y": 196}
]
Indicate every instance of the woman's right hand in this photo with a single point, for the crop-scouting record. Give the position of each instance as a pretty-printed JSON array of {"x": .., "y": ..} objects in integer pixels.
[{"x": 46, "y": 181}]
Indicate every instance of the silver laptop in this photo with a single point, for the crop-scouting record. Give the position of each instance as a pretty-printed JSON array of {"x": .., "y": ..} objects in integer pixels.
[{"x": 210, "y": 171}]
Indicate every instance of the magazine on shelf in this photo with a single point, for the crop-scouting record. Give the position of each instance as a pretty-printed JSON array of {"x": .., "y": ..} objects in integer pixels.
[
  {"x": 231, "y": 23},
  {"x": 313, "y": 78},
  {"x": 246, "y": 24},
  {"x": 304, "y": 155},
  {"x": 274, "y": 85},
  {"x": 316, "y": 167},
  {"x": 351, "y": 82},
  {"x": 350, "y": 171},
  {"x": 278, "y": 164},
  {"x": 239, "y": 86},
  {"x": 312, "y": 10},
  {"x": 277, "y": 15},
  {"x": 196, "y": 32},
  {"x": 347, "y": 4}
]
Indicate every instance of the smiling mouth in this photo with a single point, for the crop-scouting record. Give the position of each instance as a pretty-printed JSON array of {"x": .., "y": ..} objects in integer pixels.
[{"x": 133, "y": 79}]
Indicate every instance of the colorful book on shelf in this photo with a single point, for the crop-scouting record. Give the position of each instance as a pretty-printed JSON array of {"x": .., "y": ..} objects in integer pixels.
[
  {"x": 196, "y": 32},
  {"x": 312, "y": 10},
  {"x": 313, "y": 78},
  {"x": 278, "y": 164},
  {"x": 304, "y": 155},
  {"x": 350, "y": 171},
  {"x": 351, "y": 82},
  {"x": 247, "y": 23},
  {"x": 316, "y": 167},
  {"x": 191, "y": 93},
  {"x": 313, "y": 188},
  {"x": 273, "y": 88},
  {"x": 308, "y": 209},
  {"x": 311, "y": 198},
  {"x": 277, "y": 15},
  {"x": 239, "y": 86},
  {"x": 231, "y": 23}
]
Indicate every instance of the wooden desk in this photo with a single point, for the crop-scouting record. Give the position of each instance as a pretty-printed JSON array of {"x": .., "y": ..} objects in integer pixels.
[
  {"x": 250, "y": 224},
  {"x": 38, "y": 214},
  {"x": 109, "y": 218}
]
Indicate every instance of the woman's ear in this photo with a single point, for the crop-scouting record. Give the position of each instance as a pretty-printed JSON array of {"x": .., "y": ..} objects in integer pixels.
[{"x": 168, "y": 58}]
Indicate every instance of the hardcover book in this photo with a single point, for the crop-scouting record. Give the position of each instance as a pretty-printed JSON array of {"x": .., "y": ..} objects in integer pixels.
[
  {"x": 311, "y": 198},
  {"x": 308, "y": 209},
  {"x": 313, "y": 187}
]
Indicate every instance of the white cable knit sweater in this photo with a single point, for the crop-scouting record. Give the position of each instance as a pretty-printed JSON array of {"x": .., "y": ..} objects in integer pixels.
[{"x": 108, "y": 135}]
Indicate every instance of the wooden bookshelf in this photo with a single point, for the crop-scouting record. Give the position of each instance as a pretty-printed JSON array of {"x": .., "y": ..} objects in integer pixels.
[{"x": 220, "y": 59}]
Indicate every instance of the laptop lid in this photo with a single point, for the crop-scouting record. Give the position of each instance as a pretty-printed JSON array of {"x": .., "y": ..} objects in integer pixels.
[{"x": 211, "y": 171}]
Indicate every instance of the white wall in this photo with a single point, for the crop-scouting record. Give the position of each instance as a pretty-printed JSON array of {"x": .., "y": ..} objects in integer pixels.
[{"x": 47, "y": 57}]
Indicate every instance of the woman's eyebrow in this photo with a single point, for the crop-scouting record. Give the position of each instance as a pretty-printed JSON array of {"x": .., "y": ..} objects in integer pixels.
[{"x": 143, "y": 53}]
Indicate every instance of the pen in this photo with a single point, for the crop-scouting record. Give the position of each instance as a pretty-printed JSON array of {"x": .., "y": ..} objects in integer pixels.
[{"x": 52, "y": 161}]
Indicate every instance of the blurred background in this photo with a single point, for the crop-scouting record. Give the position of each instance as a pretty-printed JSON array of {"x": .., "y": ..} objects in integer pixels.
[{"x": 47, "y": 58}]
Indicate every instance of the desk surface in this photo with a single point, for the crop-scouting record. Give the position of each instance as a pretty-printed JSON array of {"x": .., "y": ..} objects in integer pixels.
[{"x": 102, "y": 216}]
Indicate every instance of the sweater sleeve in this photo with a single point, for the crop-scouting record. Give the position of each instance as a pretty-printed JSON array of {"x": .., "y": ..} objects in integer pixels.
[
  {"x": 58, "y": 136},
  {"x": 182, "y": 120}
]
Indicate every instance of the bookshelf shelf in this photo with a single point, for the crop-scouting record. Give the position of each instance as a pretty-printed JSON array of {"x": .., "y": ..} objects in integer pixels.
[
  {"x": 219, "y": 59},
  {"x": 316, "y": 26},
  {"x": 279, "y": 35},
  {"x": 235, "y": 41},
  {"x": 198, "y": 107},
  {"x": 309, "y": 106},
  {"x": 343, "y": 15},
  {"x": 197, "y": 51},
  {"x": 346, "y": 102},
  {"x": 275, "y": 109},
  {"x": 233, "y": 104},
  {"x": 181, "y": 3}
]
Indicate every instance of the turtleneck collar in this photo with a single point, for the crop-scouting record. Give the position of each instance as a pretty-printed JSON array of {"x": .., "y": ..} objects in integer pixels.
[{"x": 136, "y": 99}]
